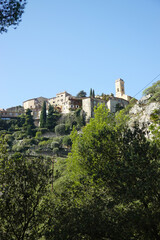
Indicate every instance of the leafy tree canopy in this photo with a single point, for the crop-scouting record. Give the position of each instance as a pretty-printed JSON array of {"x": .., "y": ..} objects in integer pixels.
[
  {"x": 154, "y": 92},
  {"x": 23, "y": 188},
  {"x": 52, "y": 118},
  {"x": 124, "y": 165},
  {"x": 82, "y": 93},
  {"x": 10, "y": 13}
]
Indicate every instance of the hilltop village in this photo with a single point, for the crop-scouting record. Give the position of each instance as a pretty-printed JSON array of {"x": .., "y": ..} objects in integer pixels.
[
  {"x": 64, "y": 102},
  {"x": 68, "y": 179}
]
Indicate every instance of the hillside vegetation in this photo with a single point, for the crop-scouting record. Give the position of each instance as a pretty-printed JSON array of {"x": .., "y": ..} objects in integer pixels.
[{"x": 99, "y": 181}]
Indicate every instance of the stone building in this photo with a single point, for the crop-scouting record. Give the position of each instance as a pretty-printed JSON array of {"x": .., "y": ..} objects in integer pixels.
[
  {"x": 113, "y": 103},
  {"x": 11, "y": 113},
  {"x": 65, "y": 102},
  {"x": 60, "y": 101},
  {"x": 120, "y": 90},
  {"x": 88, "y": 105},
  {"x": 35, "y": 104}
]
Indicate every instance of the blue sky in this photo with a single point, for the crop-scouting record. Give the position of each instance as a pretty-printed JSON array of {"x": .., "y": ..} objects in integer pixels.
[{"x": 73, "y": 45}]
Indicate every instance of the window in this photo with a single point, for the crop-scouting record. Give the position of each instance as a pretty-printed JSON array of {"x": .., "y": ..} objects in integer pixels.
[{"x": 117, "y": 89}]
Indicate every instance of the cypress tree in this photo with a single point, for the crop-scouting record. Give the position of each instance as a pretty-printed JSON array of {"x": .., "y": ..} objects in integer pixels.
[
  {"x": 29, "y": 119},
  {"x": 50, "y": 118},
  {"x": 43, "y": 116},
  {"x": 29, "y": 122},
  {"x": 91, "y": 92}
]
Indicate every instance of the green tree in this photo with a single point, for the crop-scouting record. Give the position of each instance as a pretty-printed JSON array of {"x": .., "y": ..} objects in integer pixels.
[
  {"x": 91, "y": 92},
  {"x": 105, "y": 96},
  {"x": 43, "y": 116},
  {"x": 118, "y": 107},
  {"x": 96, "y": 143},
  {"x": 125, "y": 165},
  {"x": 82, "y": 93},
  {"x": 29, "y": 123},
  {"x": 3, "y": 125},
  {"x": 20, "y": 120},
  {"x": 60, "y": 129},
  {"x": 52, "y": 118},
  {"x": 154, "y": 92},
  {"x": 155, "y": 126},
  {"x": 10, "y": 13},
  {"x": 67, "y": 141},
  {"x": 76, "y": 118},
  {"x": 23, "y": 187}
]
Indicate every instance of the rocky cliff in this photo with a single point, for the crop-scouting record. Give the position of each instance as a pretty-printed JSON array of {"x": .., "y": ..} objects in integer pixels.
[{"x": 145, "y": 112}]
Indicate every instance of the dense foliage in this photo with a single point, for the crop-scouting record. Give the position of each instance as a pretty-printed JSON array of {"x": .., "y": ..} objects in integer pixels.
[
  {"x": 10, "y": 13},
  {"x": 52, "y": 118},
  {"x": 23, "y": 187},
  {"x": 108, "y": 187},
  {"x": 82, "y": 93},
  {"x": 43, "y": 116},
  {"x": 154, "y": 92},
  {"x": 115, "y": 184}
]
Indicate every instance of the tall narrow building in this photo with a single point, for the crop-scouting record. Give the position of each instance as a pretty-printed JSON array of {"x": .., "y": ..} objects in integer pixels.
[
  {"x": 120, "y": 91},
  {"x": 119, "y": 88}
]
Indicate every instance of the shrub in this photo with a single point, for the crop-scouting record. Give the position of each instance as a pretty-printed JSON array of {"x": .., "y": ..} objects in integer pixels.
[
  {"x": 9, "y": 139},
  {"x": 67, "y": 141},
  {"x": 18, "y": 148},
  {"x": 2, "y": 132},
  {"x": 60, "y": 129},
  {"x": 55, "y": 145},
  {"x": 56, "y": 151},
  {"x": 67, "y": 128},
  {"x": 38, "y": 134},
  {"x": 43, "y": 130},
  {"x": 43, "y": 143}
]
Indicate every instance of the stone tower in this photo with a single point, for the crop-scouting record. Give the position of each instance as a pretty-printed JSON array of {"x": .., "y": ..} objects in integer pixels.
[{"x": 119, "y": 84}]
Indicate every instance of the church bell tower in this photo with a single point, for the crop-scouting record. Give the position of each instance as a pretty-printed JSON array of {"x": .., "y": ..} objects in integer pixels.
[{"x": 119, "y": 84}]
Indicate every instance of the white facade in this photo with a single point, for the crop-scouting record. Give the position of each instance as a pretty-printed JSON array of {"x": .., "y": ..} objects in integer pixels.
[{"x": 61, "y": 102}]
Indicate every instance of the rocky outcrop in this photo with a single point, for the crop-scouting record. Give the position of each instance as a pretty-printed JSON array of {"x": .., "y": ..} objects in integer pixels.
[{"x": 141, "y": 112}]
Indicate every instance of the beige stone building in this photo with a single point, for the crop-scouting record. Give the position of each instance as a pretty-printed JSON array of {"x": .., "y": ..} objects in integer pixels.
[
  {"x": 12, "y": 112},
  {"x": 65, "y": 102},
  {"x": 120, "y": 90},
  {"x": 113, "y": 103},
  {"x": 60, "y": 102},
  {"x": 88, "y": 105},
  {"x": 34, "y": 103}
]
